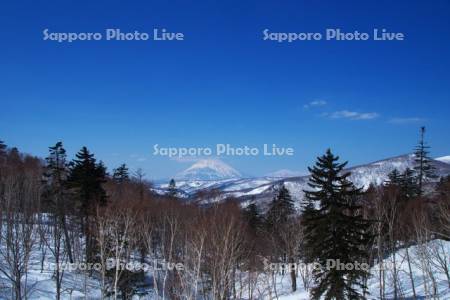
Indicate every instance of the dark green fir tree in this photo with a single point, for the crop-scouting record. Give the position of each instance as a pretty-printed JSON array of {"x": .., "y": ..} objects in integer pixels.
[
  {"x": 86, "y": 178},
  {"x": 253, "y": 216},
  {"x": 394, "y": 178},
  {"x": 121, "y": 174},
  {"x": 335, "y": 231},
  {"x": 280, "y": 209},
  {"x": 172, "y": 189},
  {"x": 423, "y": 167},
  {"x": 55, "y": 178},
  {"x": 55, "y": 193},
  {"x": 279, "y": 225},
  {"x": 3, "y": 153},
  {"x": 2, "y": 149},
  {"x": 405, "y": 182},
  {"x": 409, "y": 186}
]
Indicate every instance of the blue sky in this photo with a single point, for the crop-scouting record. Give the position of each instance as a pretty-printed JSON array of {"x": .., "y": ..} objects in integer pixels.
[{"x": 224, "y": 83}]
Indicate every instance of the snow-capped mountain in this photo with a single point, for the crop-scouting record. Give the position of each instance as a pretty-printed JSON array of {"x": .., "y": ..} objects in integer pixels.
[
  {"x": 377, "y": 172},
  {"x": 284, "y": 173},
  {"x": 373, "y": 173},
  {"x": 208, "y": 169},
  {"x": 263, "y": 189},
  {"x": 445, "y": 159}
]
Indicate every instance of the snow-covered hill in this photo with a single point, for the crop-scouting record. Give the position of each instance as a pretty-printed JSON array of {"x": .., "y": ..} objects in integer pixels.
[
  {"x": 284, "y": 173},
  {"x": 208, "y": 169},
  {"x": 373, "y": 173},
  {"x": 263, "y": 188},
  {"x": 377, "y": 172},
  {"x": 428, "y": 275},
  {"x": 445, "y": 159}
]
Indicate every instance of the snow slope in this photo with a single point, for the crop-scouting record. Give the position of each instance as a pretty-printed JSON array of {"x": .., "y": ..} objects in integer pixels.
[
  {"x": 263, "y": 188},
  {"x": 284, "y": 173},
  {"x": 78, "y": 286},
  {"x": 422, "y": 282},
  {"x": 445, "y": 159}
]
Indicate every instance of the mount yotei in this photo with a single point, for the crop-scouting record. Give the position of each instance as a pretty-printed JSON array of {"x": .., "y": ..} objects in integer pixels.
[{"x": 208, "y": 169}]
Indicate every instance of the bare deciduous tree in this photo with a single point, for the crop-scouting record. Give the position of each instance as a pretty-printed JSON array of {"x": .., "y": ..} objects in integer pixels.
[{"x": 19, "y": 206}]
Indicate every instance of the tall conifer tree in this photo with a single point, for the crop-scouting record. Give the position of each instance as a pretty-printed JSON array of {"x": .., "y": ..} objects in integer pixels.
[
  {"x": 2, "y": 149},
  {"x": 86, "y": 180},
  {"x": 279, "y": 219},
  {"x": 252, "y": 215},
  {"x": 423, "y": 168},
  {"x": 121, "y": 174},
  {"x": 55, "y": 193},
  {"x": 394, "y": 177},
  {"x": 280, "y": 209},
  {"x": 335, "y": 230}
]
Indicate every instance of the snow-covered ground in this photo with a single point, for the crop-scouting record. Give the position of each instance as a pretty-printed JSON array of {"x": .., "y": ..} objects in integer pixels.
[
  {"x": 427, "y": 274},
  {"x": 41, "y": 285},
  {"x": 40, "y": 282},
  {"x": 424, "y": 273}
]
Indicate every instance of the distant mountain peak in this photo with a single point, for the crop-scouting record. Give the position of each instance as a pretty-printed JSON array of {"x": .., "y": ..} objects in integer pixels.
[
  {"x": 216, "y": 175},
  {"x": 445, "y": 159},
  {"x": 208, "y": 169},
  {"x": 285, "y": 173}
]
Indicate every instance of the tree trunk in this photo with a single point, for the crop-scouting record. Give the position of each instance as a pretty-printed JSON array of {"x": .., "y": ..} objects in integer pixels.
[
  {"x": 410, "y": 274},
  {"x": 293, "y": 280},
  {"x": 67, "y": 239}
]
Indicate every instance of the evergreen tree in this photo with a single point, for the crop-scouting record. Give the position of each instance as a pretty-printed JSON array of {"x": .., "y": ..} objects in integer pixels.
[
  {"x": 395, "y": 178},
  {"x": 2, "y": 150},
  {"x": 172, "y": 190},
  {"x": 280, "y": 209},
  {"x": 121, "y": 174},
  {"x": 423, "y": 168},
  {"x": 279, "y": 220},
  {"x": 55, "y": 177},
  {"x": 101, "y": 170},
  {"x": 335, "y": 230},
  {"x": 14, "y": 156},
  {"x": 85, "y": 179},
  {"x": 252, "y": 215},
  {"x": 55, "y": 196},
  {"x": 408, "y": 184}
]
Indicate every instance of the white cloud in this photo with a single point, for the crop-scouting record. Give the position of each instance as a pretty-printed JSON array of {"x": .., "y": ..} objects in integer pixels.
[
  {"x": 315, "y": 103},
  {"x": 406, "y": 120},
  {"x": 352, "y": 115},
  {"x": 138, "y": 157},
  {"x": 185, "y": 159}
]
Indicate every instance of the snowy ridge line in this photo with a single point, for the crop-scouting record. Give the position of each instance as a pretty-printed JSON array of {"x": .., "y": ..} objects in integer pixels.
[{"x": 262, "y": 187}]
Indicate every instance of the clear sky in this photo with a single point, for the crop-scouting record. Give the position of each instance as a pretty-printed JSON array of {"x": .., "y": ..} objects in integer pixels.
[{"x": 224, "y": 83}]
